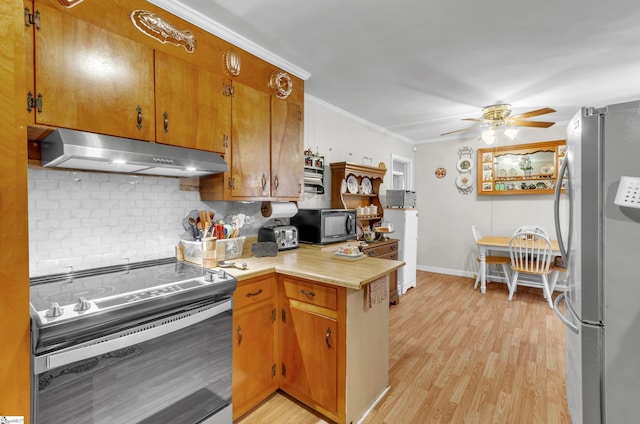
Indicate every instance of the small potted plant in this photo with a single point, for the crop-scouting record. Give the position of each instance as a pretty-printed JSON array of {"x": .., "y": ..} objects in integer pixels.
[{"x": 525, "y": 165}]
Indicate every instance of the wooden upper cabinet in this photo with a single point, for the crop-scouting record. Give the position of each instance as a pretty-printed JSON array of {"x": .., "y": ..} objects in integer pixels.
[
  {"x": 250, "y": 143},
  {"x": 91, "y": 79},
  {"x": 287, "y": 156},
  {"x": 193, "y": 107}
]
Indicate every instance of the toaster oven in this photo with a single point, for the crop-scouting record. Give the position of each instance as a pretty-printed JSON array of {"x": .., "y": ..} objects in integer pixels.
[{"x": 401, "y": 199}]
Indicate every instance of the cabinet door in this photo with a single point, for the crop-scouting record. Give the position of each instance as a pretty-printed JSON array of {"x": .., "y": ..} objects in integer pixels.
[
  {"x": 287, "y": 168},
  {"x": 254, "y": 372},
  {"x": 250, "y": 143},
  {"x": 92, "y": 79},
  {"x": 191, "y": 108},
  {"x": 309, "y": 356}
]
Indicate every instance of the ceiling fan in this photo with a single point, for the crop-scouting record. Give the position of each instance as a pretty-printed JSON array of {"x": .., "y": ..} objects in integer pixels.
[{"x": 498, "y": 115}]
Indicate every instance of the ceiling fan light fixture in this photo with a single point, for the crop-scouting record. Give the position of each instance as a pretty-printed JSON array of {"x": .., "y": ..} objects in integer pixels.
[
  {"x": 511, "y": 133},
  {"x": 496, "y": 112},
  {"x": 489, "y": 136}
]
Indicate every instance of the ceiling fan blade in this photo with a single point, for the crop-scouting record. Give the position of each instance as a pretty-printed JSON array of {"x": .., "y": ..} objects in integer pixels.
[
  {"x": 529, "y": 114},
  {"x": 475, "y": 119},
  {"x": 464, "y": 129},
  {"x": 535, "y": 124}
]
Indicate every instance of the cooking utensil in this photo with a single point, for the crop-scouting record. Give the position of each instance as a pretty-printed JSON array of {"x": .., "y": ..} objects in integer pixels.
[
  {"x": 194, "y": 229},
  {"x": 227, "y": 264}
]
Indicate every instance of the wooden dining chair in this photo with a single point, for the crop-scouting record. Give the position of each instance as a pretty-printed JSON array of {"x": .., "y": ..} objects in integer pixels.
[
  {"x": 530, "y": 253},
  {"x": 531, "y": 228},
  {"x": 503, "y": 261}
]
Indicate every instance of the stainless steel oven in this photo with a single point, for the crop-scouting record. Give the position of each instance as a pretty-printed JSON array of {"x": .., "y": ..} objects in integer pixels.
[{"x": 149, "y": 343}]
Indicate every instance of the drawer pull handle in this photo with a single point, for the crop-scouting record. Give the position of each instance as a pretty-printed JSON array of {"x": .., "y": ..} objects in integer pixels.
[
  {"x": 308, "y": 294},
  {"x": 394, "y": 247},
  {"x": 326, "y": 338},
  {"x": 254, "y": 294},
  {"x": 239, "y": 330}
]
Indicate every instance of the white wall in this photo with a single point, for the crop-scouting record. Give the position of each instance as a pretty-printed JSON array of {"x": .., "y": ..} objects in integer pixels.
[
  {"x": 341, "y": 137},
  {"x": 445, "y": 241}
]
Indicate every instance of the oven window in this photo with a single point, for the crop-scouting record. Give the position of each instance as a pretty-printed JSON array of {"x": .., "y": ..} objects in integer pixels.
[{"x": 180, "y": 377}]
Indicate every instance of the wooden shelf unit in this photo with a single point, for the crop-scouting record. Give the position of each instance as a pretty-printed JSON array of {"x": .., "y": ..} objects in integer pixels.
[{"x": 340, "y": 171}]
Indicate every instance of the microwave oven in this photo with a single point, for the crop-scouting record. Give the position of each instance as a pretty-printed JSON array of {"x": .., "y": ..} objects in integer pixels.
[{"x": 323, "y": 226}]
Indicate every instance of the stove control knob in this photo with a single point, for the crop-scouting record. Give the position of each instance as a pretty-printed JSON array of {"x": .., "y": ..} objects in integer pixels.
[
  {"x": 82, "y": 305},
  {"x": 54, "y": 311}
]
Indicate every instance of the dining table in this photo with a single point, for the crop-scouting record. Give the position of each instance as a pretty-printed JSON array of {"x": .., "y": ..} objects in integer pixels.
[{"x": 498, "y": 244}]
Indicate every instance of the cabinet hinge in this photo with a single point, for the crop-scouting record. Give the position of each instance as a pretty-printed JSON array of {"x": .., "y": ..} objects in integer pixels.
[
  {"x": 34, "y": 102},
  {"x": 31, "y": 19},
  {"x": 225, "y": 141},
  {"x": 231, "y": 183},
  {"x": 284, "y": 316},
  {"x": 284, "y": 370},
  {"x": 227, "y": 90},
  {"x": 273, "y": 315},
  {"x": 273, "y": 370}
]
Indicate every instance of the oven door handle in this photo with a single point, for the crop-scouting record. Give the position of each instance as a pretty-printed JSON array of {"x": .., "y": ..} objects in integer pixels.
[{"x": 126, "y": 338}]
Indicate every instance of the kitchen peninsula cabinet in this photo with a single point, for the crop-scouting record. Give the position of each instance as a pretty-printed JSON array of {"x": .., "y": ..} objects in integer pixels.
[
  {"x": 254, "y": 342},
  {"x": 88, "y": 78},
  {"x": 312, "y": 343}
]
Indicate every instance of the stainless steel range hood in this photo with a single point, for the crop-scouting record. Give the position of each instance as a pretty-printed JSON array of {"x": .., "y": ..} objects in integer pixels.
[{"x": 65, "y": 148}]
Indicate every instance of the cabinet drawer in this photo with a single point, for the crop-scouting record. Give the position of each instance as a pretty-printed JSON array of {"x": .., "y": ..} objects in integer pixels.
[
  {"x": 314, "y": 294},
  {"x": 380, "y": 251},
  {"x": 390, "y": 255},
  {"x": 253, "y": 292}
]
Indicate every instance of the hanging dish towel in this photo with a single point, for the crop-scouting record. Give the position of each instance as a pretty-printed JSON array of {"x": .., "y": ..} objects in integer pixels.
[{"x": 377, "y": 291}]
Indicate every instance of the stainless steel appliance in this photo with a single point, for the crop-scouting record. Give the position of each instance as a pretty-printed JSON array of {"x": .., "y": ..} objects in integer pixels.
[
  {"x": 401, "y": 199},
  {"x": 66, "y": 148},
  {"x": 322, "y": 226},
  {"x": 599, "y": 242},
  {"x": 285, "y": 236},
  {"x": 148, "y": 342}
]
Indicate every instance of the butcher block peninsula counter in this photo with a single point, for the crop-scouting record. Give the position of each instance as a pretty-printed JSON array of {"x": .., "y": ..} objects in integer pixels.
[{"x": 306, "y": 323}]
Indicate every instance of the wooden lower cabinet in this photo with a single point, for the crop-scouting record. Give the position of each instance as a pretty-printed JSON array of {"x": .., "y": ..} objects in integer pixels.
[
  {"x": 312, "y": 351},
  {"x": 314, "y": 362},
  {"x": 254, "y": 343},
  {"x": 386, "y": 249}
]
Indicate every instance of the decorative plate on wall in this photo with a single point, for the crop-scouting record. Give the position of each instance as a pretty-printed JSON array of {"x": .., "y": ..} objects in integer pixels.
[
  {"x": 464, "y": 182},
  {"x": 464, "y": 164}
]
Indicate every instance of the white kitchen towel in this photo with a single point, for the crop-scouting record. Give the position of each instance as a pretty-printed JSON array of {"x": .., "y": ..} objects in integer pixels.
[{"x": 377, "y": 291}]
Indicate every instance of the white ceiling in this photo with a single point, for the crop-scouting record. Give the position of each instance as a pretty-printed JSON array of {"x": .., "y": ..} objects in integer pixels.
[{"x": 417, "y": 67}]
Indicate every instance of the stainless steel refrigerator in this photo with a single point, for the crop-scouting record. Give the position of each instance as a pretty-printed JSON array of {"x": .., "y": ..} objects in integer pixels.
[
  {"x": 405, "y": 227},
  {"x": 599, "y": 235}
]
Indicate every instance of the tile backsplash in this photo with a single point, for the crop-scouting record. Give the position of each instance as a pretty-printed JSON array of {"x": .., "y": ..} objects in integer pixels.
[{"x": 80, "y": 220}]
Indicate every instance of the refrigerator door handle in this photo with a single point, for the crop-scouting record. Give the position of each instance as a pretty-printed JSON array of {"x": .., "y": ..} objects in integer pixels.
[
  {"x": 564, "y": 252},
  {"x": 571, "y": 326}
]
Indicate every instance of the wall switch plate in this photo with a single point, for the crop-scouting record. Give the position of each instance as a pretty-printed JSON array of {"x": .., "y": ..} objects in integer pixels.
[{"x": 628, "y": 193}]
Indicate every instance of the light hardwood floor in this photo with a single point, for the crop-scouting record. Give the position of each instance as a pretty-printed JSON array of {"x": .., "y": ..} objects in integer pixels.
[{"x": 457, "y": 356}]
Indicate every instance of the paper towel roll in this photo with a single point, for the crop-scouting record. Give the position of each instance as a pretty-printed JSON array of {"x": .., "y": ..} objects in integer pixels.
[{"x": 278, "y": 209}]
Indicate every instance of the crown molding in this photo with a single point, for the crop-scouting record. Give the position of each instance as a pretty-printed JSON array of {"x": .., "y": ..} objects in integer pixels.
[
  {"x": 185, "y": 12},
  {"x": 360, "y": 120}
]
